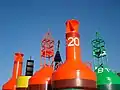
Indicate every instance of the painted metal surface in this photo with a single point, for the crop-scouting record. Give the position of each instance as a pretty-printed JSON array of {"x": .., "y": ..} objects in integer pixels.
[
  {"x": 47, "y": 46},
  {"x": 57, "y": 58},
  {"x": 22, "y": 81},
  {"x": 41, "y": 78},
  {"x": 17, "y": 71},
  {"x": 106, "y": 76},
  {"x": 73, "y": 68},
  {"x": 107, "y": 79}
]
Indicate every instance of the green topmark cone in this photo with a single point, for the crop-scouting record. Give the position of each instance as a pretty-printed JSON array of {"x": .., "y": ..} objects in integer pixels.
[{"x": 107, "y": 80}]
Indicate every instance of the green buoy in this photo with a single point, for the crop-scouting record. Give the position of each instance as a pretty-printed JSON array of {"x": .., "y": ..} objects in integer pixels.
[{"x": 106, "y": 78}]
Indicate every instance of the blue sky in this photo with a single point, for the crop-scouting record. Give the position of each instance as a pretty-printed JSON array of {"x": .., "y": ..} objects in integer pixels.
[{"x": 23, "y": 23}]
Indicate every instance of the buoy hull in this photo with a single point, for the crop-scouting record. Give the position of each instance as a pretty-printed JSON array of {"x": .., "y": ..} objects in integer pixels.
[
  {"x": 73, "y": 73},
  {"x": 41, "y": 80},
  {"x": 74, "y": 84},
  {"x": 21, "y": 88},
  {"x": 40, "y": 87},
  {"x": 74, "y": 89},
  {"x": 109, "y": 87}
]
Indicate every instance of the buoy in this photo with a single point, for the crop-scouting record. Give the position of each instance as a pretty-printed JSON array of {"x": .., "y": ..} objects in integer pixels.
[
  {"x": 73, "y": 74},
  {"x": 41, "y": 79},
  {"x": 17, "y": 71},
  {"x": 106, "y": 79}
]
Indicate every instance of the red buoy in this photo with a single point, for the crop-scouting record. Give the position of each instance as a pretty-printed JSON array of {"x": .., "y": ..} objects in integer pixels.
[{"x": 73, "y": 74}]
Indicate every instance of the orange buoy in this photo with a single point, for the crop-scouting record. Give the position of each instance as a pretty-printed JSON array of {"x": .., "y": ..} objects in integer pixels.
[
  {"x": 41, "y": 79},
  {"x": 73, "y": 74},
  {"x": 17, "y": 71}
]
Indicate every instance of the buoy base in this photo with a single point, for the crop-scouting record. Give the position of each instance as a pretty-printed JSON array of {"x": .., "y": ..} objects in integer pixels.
[
  {"x": 40, "y": 87},
  {"x": 74, "y": 89},
  {"x": 109, "y": 87},
  {"x": 21, "y": 88},
  {"x": 76, "y": 84}
]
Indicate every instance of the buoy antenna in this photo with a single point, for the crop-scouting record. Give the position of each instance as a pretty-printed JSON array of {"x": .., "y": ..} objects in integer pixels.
[
  {"x": 30, "y": 57},
  {"x": 58, "y": 46}
]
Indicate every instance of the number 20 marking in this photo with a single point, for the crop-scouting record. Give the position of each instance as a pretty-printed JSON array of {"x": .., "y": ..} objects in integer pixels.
[{"x": 73, "y": 41}]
